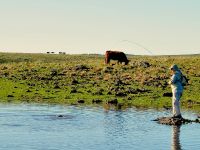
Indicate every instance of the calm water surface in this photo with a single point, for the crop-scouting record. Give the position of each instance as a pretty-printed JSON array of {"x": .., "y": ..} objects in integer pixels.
[{"x": 39, "y": 127}]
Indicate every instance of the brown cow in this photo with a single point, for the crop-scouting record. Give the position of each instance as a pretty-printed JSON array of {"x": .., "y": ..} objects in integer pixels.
[{"x": 115, "y": 55}]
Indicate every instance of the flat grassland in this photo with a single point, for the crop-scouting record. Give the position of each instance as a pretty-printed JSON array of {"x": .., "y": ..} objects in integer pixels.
[{"x": 86, "y": 79}]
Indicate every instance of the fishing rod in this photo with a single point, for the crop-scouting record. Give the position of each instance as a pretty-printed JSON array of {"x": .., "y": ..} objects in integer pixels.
[{"x": 137, "y": 44}]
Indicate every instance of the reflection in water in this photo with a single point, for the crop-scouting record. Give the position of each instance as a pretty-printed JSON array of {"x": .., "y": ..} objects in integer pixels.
[
  {"x": 115, "y": 129},
  {"x": 176, "y": 145}
]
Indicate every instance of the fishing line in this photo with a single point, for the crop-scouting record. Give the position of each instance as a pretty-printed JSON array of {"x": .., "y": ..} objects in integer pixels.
[{"x": 137, "y": 44}]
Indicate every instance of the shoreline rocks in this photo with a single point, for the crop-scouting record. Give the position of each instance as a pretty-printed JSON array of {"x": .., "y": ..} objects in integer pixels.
[{"x": 175, "y": 121}]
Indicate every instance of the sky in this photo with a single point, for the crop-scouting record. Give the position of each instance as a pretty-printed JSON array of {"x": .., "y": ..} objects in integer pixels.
[{"x": 141, "y": 27}]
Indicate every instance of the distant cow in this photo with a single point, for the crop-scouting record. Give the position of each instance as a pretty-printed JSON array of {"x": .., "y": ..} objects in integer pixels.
[{"x": 115, "y": 55}]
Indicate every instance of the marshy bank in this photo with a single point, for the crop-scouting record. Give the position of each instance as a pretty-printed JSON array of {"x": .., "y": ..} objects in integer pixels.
[{"x": 85, "y": 79}]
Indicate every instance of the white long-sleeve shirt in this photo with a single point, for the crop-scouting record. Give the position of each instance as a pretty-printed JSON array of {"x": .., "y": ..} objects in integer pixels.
[{"x": 175, "y": 81}]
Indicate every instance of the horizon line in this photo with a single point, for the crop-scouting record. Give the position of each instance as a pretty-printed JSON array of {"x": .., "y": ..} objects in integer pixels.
[{"x": 64, "y": 53}]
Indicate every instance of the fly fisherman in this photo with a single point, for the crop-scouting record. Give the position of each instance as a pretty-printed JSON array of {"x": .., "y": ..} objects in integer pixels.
[{"x": 177, "y": 90}]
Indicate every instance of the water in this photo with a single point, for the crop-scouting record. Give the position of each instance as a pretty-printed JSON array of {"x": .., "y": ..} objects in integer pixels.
[{"x": 39, "y": 127}]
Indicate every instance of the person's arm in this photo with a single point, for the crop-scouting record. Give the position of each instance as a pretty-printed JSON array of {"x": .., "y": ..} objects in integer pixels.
[{"x": 173, "y": 79}]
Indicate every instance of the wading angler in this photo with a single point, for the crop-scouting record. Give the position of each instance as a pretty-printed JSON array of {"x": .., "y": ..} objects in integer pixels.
[{"x": 177, "y": 90}]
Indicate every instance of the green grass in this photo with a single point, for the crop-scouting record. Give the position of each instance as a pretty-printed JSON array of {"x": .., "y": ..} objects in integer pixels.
[{"x": 65, "y": 79}]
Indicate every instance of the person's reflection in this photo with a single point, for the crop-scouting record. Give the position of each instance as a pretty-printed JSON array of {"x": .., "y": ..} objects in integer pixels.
[{"x": 176, "y": 145}]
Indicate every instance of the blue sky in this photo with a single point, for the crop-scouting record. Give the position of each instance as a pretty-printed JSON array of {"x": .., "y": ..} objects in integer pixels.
[{"x": 93, "y": 26}]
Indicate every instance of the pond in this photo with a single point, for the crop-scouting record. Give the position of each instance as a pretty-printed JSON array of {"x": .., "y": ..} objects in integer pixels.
[{"x": 55, "y": 127}]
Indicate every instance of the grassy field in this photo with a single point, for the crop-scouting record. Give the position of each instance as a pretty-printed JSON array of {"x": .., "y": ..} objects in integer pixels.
[{"x": 85, "y": 79}]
